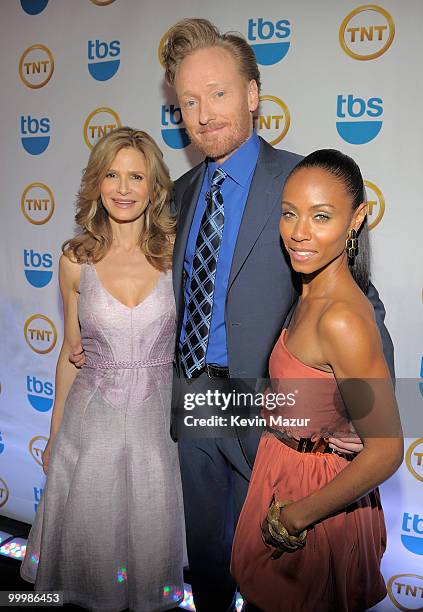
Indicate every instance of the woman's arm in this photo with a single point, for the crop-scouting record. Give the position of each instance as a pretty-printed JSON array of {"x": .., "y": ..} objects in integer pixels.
[
  {"x": 69, "y": 275},
  {"x": 352, "y": 347}
]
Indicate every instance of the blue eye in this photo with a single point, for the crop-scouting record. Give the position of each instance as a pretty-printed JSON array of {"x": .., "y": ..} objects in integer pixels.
[{"x": 220, "y": 94}]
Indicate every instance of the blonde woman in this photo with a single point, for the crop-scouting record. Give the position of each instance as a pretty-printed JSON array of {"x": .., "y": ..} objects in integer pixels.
[{"x": 108, "y": 531}]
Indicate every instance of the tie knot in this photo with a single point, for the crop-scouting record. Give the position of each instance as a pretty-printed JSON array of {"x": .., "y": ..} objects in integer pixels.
[{"x": 219, "y": 176}]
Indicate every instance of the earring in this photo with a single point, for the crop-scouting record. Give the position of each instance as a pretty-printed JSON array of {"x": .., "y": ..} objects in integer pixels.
[{"x": 351, "y": 244}]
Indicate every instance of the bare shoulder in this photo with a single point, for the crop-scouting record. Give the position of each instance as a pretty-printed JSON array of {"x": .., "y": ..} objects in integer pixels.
[
  {"x": 339, "y": 315},
  {"x": 349, "y": 337},
  {"x": 69, "y": 273}
]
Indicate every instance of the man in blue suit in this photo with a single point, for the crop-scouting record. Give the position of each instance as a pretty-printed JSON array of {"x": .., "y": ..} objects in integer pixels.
[{"x": 233, "y": 285}]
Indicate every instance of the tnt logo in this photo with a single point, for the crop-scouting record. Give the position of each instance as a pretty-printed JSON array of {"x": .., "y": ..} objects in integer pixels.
[
  {"x": 39, "y": 393},
  {"x": 274, "y": 119},
  {"x": 367, "y": 32},
  {"x": 99, "y": 123},
  {"x": 414, "y": 459},
  {"x": 37, "y": 267},
  {"x": 375, "y": 203},
  {"x": 269, "y": 39},
  {"x": 406, "y": 591},
  {"x": 38, "y": 493},
  {"x": 35, "y": 134},
  {"x": 36, "y": 66},
  {"x": 1, "y": 444},
  {"x": 360, "y": 130},
  {"x": 33, "y": 7},
  {"x": 40, "y": 334},
  {"x": 37, "y": 203},
  {"x": 101, "y": 64},
  {"x": 4, "y": 492},
  {"x": 412, "y": 527},
  {"x": 173, "y": 133},
  {"x": 36, "y": 448}
]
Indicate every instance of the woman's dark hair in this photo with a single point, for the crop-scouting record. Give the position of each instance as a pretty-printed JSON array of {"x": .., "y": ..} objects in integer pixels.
[{"x": 345, "y": 169}]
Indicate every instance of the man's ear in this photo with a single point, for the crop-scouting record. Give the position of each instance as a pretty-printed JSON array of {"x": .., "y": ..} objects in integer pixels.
[{"x": 253, "y": 96}]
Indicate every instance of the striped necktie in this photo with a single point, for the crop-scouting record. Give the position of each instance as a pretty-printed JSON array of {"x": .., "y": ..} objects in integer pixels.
[{"x": 201, "y": 289}]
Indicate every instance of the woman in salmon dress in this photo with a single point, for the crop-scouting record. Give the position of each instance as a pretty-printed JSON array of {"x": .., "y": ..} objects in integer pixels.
[{"x": 311, "y": 534}]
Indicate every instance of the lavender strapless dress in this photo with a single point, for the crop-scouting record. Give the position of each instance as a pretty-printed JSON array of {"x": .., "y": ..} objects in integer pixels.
[{"x": 109, "y": 528}]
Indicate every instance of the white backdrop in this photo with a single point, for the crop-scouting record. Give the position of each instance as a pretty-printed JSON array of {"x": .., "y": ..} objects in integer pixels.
[{"x": 333, "y": 76}]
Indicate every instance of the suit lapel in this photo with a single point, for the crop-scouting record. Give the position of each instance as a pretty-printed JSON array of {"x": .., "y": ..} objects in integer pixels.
[
  {"x": 187, "y": 207},
  {"x": 263, "y": 196}
]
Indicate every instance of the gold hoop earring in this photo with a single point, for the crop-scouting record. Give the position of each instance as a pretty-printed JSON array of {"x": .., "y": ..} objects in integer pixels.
[{"x": 351, "y": 244}]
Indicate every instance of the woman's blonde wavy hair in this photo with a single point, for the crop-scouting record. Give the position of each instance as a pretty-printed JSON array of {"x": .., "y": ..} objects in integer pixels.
[{"x": 156, "y": 238}]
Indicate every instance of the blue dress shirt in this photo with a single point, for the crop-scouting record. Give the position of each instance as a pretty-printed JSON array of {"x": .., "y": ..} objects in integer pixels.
[{"x": 239, "y": 168}]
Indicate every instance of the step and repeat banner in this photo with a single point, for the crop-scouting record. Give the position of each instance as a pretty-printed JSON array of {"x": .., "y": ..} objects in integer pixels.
[{"x": 335, "y": 73}]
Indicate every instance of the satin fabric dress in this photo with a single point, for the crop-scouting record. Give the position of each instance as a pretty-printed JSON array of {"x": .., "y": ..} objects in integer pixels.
[
  {"x": 338, "y": 570},
  {"x": 109, "y": 528}
]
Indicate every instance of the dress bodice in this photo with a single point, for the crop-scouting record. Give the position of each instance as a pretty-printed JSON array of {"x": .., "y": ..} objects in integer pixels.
[
  {"x": 309, "y": 394},
  {"x": 116, "y": 336}
]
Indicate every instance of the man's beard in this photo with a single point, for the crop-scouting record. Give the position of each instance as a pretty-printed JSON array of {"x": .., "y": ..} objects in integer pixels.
[{"x": 222, "y": 145}]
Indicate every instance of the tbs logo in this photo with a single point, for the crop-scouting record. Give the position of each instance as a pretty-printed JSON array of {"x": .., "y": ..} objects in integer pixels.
[
  {"x": 35, "y": 134},
  {"x": 361, "y": 129},
  {"x": 274, "y": 119},
  {"x": 38, "y": 267},
  {"x": 4, "y": 492},
  {"x": 39, "y": 393},
  {"x": 173, "y": 133},
  {"x": 37, "y": 203},
  {"x": 100, "y": 122},
  {"x": 33, "y": 7},
  {"x": 367, "y": 32},
  {"x": 406, "y": 591},
  {"x": 36, "y": 66},
  {"x": 274, "y": 34},
  {"x": 1, "y": 444},
  {"x": 38, "y": 493},
  {"x": 40, "y": 334},
  {"x": 36, "y": 448},
  {"x": 101, "y": 64},
  {"x": 412, "y": 527}
]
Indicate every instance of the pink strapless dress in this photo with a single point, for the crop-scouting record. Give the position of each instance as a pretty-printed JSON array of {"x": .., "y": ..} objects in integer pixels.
[{"x": 339, "y": 567}]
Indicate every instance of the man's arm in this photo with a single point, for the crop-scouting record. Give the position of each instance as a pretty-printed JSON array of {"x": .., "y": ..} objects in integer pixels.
[{"x": 388, "y": 347}]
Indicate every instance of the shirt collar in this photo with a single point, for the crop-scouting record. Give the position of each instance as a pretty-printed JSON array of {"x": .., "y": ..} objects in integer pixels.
[{"x": 240, "y": 165}]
